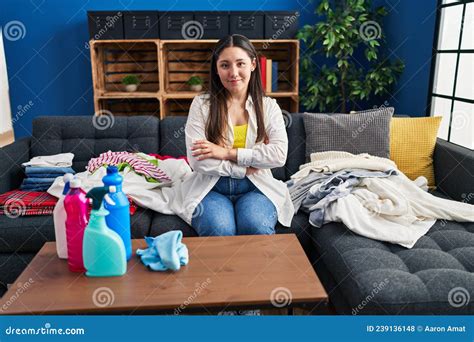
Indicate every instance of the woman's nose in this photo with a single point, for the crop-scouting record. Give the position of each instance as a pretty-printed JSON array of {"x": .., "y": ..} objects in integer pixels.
[{"x": 234, "y": 71}]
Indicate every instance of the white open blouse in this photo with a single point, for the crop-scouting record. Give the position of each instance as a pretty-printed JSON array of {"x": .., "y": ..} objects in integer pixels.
[{"x": 190, "y": 192}]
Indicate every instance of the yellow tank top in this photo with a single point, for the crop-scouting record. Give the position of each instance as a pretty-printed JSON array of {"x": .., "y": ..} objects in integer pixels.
[{"x": 240, "y": 134}]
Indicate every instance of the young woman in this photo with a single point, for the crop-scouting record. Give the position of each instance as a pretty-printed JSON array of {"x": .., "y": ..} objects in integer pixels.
[{"x": 234, "y": 136}]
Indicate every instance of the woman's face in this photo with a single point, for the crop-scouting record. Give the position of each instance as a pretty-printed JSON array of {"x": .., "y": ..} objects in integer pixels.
[{"x": 235, "y": 67}]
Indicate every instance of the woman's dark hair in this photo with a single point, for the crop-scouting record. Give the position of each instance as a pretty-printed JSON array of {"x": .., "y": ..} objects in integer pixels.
[{"x": 216, "y": 126}]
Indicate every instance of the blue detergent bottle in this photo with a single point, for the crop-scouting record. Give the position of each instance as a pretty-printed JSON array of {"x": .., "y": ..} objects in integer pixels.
[{"x": 119, "y": 213}]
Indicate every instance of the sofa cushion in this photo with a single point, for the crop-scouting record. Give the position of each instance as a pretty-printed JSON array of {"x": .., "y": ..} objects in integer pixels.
[
  {"x": 302, "y": 229},
  {"x": 92, "y": 135},
  {"x": 27, "y": 234},
  {"x": 141, "y": 222},
  {"x": 296, "y": 144},
  {"x": 412, "y": 144},
  {"x": 364, "y": 132},
  {"x": 172, "y": 137},
  {"x": 162, "y": 223},
  {"x": 11, "y": 266},
  {"x": 434, "y": 277}
]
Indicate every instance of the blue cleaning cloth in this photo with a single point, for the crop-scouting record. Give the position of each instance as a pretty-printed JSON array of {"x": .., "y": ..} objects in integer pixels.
[
  {"x": 53, "y": 171},
  {"x": 165, "y": 252}
]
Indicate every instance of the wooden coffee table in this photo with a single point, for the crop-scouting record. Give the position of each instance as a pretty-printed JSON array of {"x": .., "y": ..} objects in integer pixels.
[{"x": 224, "y": 273}]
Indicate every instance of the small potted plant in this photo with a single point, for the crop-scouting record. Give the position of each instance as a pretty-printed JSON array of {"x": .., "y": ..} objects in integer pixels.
[
  {"x": 195, "y": 83},
  {"x": 131, "y": 83}
]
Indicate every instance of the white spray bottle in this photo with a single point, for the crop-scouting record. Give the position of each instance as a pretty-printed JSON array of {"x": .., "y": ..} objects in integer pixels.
[{"x": 59, "y": 216}]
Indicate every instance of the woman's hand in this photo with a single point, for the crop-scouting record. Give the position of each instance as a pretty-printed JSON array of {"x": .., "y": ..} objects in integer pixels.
[{"x": 203, "y": 149}]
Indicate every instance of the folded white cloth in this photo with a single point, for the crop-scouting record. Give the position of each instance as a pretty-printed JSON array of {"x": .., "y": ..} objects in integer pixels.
[
  {"x": 333, "y": 161},
  {"x": 55, "y": 160}
]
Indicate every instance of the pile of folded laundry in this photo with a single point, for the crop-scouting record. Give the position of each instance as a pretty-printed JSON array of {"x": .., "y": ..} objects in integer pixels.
[{"x": 42, "y": 171}]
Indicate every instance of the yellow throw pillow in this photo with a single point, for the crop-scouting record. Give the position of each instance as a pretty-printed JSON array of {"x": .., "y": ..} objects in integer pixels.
[{"x": 412, "y": 143}]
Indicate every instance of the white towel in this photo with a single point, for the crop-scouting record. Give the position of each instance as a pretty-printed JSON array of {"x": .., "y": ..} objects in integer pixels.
[
  {"x": 394, "y": 209},
  {"x": 55, "y": 160}
]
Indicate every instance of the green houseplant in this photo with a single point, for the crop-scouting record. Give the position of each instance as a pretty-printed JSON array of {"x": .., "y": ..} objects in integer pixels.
[
  {"x": 195, "y": 83},
  {"x": 348, "y": 27},
  {"x": 131, "y": 82}
]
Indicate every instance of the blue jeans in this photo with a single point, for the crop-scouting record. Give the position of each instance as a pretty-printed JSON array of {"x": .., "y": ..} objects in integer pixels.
[{"x": 234, "y": 207}]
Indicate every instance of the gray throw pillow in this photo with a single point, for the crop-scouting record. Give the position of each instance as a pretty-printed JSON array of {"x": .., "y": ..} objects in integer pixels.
[{"x": 361, "y": 132}]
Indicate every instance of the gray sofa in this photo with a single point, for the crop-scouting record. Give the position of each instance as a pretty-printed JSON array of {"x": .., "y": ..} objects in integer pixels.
[{"x": 361, "y": 276}]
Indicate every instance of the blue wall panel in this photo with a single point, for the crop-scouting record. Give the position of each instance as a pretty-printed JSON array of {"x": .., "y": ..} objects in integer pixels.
[{"x": 49, "y": 68}]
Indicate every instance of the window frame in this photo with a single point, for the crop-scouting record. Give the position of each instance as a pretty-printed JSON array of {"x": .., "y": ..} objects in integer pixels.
[{"x": 434, "y": 60}]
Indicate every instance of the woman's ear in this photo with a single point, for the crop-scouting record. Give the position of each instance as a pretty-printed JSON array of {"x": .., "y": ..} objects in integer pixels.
[{"x": 254, "y": 64}]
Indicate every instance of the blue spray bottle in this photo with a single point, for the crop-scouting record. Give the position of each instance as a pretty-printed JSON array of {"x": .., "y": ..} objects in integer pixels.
[
  {"x": 119, "y": 218},
  {"x": 103, "y": 250}
]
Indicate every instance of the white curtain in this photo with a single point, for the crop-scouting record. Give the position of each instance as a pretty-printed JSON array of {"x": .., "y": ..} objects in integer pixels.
[{"x": 5, "y": 109}]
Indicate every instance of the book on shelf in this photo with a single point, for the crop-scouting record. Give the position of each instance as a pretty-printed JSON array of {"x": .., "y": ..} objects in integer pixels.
[
  {"x": 268, "y": 85},
  {"x": 263, "y": 69},
  {"x": 274, "y": 77}
]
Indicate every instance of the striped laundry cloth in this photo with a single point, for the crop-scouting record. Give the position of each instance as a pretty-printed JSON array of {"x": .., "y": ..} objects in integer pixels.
[{"x": 140, "y": 165}]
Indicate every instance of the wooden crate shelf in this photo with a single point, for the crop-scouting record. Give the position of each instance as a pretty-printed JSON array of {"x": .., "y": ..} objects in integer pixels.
[
  {"x": 128, "y": 95},
  {"x": 130, "y": 106},
  {"x": 176, "y": 107},
  {"x": 183, "y": 60},
  {"x": 164, "y": 66},
  {"x": 112, "y": 61}
]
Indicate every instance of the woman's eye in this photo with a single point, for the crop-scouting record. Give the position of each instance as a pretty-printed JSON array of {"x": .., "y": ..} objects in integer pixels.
[
  {"x": 241, "y": 64},
  {"x": 223, "y": 66}
]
